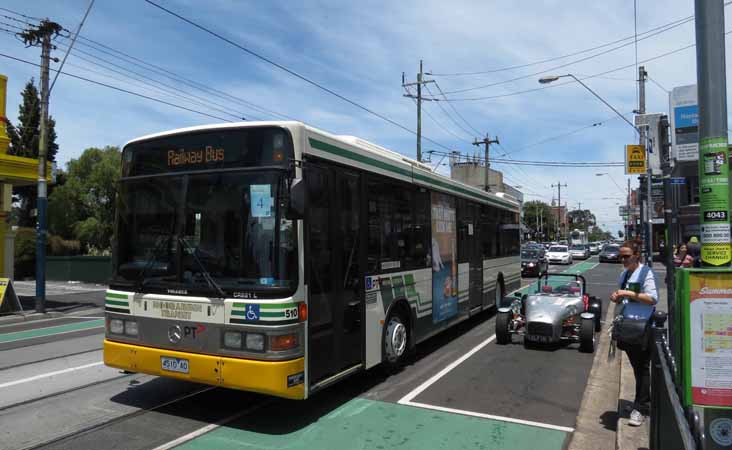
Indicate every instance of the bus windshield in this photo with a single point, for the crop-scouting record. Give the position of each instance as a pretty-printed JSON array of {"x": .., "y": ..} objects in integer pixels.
[{"x": 174, "y": 231}]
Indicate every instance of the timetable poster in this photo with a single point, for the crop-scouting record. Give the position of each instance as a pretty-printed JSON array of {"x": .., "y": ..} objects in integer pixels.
[
  {"x": 444, "y": 262},
  {"x": 710, "y": 323}
]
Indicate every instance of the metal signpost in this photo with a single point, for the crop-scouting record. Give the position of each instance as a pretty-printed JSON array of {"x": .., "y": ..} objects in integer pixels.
[{"x": 704, "y": 296}]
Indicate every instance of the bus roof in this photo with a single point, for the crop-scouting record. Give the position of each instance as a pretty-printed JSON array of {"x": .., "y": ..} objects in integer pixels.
[{"x": 361, "y": 153}]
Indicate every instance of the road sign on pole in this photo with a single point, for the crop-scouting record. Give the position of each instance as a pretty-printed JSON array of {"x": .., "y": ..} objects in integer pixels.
[{"x": 635, "y": 159}]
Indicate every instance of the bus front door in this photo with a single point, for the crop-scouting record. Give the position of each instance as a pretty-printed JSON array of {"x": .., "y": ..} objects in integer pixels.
[{"x": 333, "y": 271}]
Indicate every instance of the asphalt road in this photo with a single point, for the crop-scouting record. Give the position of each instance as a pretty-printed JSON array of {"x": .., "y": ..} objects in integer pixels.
[{"x": 461, "y": 391}]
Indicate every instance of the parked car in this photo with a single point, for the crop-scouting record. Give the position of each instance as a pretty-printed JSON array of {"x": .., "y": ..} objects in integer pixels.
[
  {"x": 611, "y": 253},
  {"x": 558, "y": 254},
  {"x": 579, "y": 251},
  {"x": 560, "y": 310},
  {"x": 533, "y": 261}
]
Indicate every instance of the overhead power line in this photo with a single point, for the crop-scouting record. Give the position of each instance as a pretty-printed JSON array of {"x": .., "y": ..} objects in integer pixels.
[
  {"x": 561, "y": 66},
  {"x": 88, "y": 80},
  {"x": 545, "y": 163},
  {"x": 292, "y": 72},
  {"x": 555, "y": 85},
  {"x": 568, "y": 55},
  {"x": 562, "y": 135}
]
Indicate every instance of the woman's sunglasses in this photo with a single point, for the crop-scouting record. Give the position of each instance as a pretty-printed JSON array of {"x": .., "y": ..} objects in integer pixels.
[{"x": 625, "y": 256}]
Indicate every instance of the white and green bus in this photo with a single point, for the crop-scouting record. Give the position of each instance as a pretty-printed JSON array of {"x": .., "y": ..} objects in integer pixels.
[{"x": 277, "y": 258}]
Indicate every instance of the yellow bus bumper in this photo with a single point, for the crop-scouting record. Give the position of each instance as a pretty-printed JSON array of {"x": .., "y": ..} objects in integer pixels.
[{"x": 265, "y": 377}]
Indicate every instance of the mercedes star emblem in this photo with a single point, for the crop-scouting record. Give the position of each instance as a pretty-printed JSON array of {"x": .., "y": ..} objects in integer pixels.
[{"x": 174, "y": 334}]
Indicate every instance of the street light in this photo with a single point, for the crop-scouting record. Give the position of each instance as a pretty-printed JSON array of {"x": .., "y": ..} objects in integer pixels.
[{"x": 551, "y": 78}]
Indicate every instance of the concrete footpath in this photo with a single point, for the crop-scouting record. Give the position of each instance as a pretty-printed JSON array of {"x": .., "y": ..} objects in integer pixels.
[
  {"x": 62, "y": 298},
  {"x": 628, "y": 437}
]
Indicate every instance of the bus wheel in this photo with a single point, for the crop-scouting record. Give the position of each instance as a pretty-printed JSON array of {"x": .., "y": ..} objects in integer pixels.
[
  {"x": 396, "y": 340},
  {"x": 499, "y": 293}
]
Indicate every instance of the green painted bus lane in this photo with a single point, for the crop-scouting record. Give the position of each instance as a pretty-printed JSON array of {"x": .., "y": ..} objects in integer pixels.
[
  {"x": 370, "y": 424},
  {"x": 577, "y": 269},
  {"x": 50, "y": 331}
]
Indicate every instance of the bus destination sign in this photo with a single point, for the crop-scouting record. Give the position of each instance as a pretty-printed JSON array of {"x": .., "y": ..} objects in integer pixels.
[{"x": 184, "y": 157}]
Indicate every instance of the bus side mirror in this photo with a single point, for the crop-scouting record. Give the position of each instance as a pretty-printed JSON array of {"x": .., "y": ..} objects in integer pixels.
[{"x": 296, "y": 204}]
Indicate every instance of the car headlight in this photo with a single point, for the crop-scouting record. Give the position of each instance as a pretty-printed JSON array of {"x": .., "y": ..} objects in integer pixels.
[
  {"x": 116, "y": 326},
  {"x": 130, "y": 328},
  {"x": 255, "y": 341},
  {"x": 232, "y": 339},
  {"x": 531, "y": 264}
]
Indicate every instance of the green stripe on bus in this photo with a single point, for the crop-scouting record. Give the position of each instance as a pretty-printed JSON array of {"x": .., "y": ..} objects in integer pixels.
[
  {"x": 330, "y": 148},
  {"x": 121, "y": 296},
  {"x": 261, "y": 314},
  {"x": 278, "y": 306},
  {"x": 267, "y": 306},
  {"x": 50, "y": 331},
  {"x": 112, "y": 302}
]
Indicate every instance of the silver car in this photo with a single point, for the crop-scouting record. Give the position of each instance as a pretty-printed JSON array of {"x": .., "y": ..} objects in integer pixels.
[
  {"x": 579, "y": 251},
  {"x": 559, "y": 311}
]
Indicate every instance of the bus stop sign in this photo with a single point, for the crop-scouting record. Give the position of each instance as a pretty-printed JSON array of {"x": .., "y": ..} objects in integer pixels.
[{"x": 635, "y": 159}]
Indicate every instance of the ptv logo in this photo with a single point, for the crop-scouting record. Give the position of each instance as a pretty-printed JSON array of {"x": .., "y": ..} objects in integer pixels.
[{"x": 194, "y": 331}]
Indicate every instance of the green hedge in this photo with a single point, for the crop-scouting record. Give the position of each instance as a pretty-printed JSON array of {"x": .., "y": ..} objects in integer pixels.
[{"x": 25, "y": 250}]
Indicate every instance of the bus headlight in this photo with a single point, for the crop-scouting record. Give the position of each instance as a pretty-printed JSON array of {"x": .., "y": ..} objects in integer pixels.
[
  {"x": 130, "y": 328},
  {"x": 255, "y": 341},
  {"x": 232, "y": 339},
  {"x": 116, "y": 326}
]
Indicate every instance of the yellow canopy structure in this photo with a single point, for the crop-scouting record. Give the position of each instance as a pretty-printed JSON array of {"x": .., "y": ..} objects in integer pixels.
[{"x": 14, "y": 171}]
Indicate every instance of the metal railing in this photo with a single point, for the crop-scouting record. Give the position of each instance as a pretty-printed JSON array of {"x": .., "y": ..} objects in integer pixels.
[{"x": 669, "y": 427}]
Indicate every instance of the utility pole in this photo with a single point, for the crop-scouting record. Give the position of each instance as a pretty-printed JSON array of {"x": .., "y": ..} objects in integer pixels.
[
  {"x": 41, "y": 35},
  {"x": 487, "y": 141},
  {"x": 629, "y": 215},
  {"x": 714, "y": 173},
  {"x": 559, "y": 205},
  {"x": 643, "y": 140},
  {"x": 419, "y": 83}
]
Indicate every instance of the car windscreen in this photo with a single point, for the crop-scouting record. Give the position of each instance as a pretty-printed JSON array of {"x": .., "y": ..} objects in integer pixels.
[
  {"x": 529, "y": 254},
  {"x": 612, "y": 249},
  {"x": 578, "y": 247},
  {"x": 558, "y": 249}
]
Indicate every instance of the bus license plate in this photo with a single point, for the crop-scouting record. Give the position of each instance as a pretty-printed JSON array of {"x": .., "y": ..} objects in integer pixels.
[
  {"x": 537, "y": 338},
  {"x": 174, "y": 364}
]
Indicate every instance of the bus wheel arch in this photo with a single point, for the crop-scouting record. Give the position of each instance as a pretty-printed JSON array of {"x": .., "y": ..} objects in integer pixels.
[{"x": 397, "y": 335}]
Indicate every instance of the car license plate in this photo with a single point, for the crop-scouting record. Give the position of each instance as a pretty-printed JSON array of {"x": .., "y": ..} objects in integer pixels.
[
  {"x": 174, "y": 364},
  {"x": 537, "y": 338}
]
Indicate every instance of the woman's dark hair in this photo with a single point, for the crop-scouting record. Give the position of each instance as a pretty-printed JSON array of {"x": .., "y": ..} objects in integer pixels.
[{"x": 633, "y": 245}]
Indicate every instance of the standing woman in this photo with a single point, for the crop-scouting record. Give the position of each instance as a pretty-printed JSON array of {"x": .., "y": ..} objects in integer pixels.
[{"x": 637, "y": 284}]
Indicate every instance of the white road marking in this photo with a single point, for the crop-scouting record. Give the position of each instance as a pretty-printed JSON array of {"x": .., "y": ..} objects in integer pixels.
[
  {"x": 418, "y": 390},
  {"x": 208, "y": 428},
  {"x": 489, "y": 416},
  {"x": 407, "y": 399},
  {"x": 50, "y": 374}
]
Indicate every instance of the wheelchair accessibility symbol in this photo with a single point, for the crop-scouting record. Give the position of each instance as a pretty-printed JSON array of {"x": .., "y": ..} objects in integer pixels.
[{"x": 252, "y": 312}]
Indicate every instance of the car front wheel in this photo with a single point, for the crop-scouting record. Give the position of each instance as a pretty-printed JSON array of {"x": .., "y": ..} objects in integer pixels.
[
  {"x": 503, "y": 321},
  {"x": 587, "y": 336}
]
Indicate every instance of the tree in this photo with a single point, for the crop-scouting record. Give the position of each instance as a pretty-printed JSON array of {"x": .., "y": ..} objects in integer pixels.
[
  {"x": 538, "y": 215},
  {"x": 24, "y": 142},
  {"x": 83, "y": 207},
  {"x": 581, "y": 219}
]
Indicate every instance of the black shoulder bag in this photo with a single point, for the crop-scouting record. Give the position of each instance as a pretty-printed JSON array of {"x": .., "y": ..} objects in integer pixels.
[{"x": 630, "y": 326}]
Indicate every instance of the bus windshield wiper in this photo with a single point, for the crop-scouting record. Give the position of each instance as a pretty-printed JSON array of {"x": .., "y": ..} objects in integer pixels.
[
  {"x": 206, "y": 275},
  {"x": 150, "y": 262}
]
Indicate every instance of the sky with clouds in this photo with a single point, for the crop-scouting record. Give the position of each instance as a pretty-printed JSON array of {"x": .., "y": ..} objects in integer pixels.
[{"x": 359, "y": 50}]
